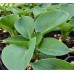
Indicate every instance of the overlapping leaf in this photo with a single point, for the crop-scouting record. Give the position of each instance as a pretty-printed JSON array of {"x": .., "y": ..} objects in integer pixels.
[
  {"x": 51, "y": 46},
  {"x": 68, "y": 8},
  {"x": 25, "y": 26},
  {"x": 49, "y": 20},
  {"x": 19, "y": 40},
  {"x": 16, "y": 57},
  {"x": 52, "y": 64}
]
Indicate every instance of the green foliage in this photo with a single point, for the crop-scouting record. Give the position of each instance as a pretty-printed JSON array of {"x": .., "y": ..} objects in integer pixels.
[
  {"x": 66, "y": 28},
  {"x": 49, "y": 20},
  {"x": 52, "y": 63},
  {"x": 25, "y": 26},
  {"x": 28, "y": 42},
  {"x": 38, "y": 10},
  {"x": 68, "y": 8},
  {"x": 51, "y": 46},
  {"x": 16, "y": 57},
  {"x": 7, "y": 23},
  {"x": 19, "y": 40}
]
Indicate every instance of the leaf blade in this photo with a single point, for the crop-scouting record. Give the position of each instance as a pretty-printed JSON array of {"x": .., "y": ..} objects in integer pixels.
[
  {"x": 52, "y": 64},
  {"x": 49, "y": 20},
  {"x": 56, "y": 48},
  {"x": 19, "y": 60},
  {"x": 25, "y": 26}
]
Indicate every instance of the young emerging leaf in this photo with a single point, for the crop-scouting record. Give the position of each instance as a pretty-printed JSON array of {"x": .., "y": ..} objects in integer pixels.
[
  {"x": 49, "y": 20},
  {"x": 18, "y": 40},
  {"x": 66, "y": 28},
  {"x": 25, "y": 26},
  {"x": 16, "y": 57},
  {"x": 53, "y": 47},
  {"x": 52, "y": 64}
]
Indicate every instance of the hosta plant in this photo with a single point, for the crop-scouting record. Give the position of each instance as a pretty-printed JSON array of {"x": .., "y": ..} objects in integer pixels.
[{"x": 30, "y": 46}]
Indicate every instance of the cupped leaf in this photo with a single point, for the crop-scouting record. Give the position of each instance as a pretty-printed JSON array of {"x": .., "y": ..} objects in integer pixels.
[
  {"x": 68, "y": 8},
  {"x": 51, "y": 46},
  {"x": 38, "y": 36},
  {"x": 25, "y": 26},
  {"x": 19, "y": 40},
  {"x": 17, "y": 57},
  {"x": 52, "y": 64},
  {"x": 49, "y": 20}
]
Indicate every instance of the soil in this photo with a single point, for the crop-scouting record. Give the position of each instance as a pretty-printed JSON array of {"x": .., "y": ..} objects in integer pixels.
[{"x": 55, "y": 34}]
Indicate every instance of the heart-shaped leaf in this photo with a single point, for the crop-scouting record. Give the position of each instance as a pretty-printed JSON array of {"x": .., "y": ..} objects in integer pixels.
[
  {"x": 68, "y": 8},
  {"x": 51, "y": 46},
  {"x": 16, "y": 57},
  {"x": 25, "y": 26},
  {"x": 52, "y": 64},
  {"x": 49, "y": 20},
  {"x": 19, "y": 40}
]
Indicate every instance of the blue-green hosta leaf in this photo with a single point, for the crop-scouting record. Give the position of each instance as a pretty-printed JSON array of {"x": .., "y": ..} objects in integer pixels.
[
  {"x": 38, "y": 11},
  {"x": 25, "y": 26},
  {"x": 19, "y": 40},
  {"x": 38, "y": 36},
  {"x": 53, "y": 47},
  {"x": 49, "y": 20},
  {"x": 52, "y": 64},
  {"x": 46, "y": 5},
  {"x": 8, "y": 21},
  {"x": 14, "y": 10},
  {"x": 17, "y": 57},
  {"x": 53, "y": 7},
  {"x": 68, "y": 8}
]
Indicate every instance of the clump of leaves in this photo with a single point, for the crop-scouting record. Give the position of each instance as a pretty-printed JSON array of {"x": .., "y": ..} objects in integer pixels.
[{"x": 30, "y": 44}]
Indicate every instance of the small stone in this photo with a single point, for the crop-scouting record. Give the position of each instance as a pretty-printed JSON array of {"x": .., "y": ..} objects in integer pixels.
[
  {"x": 72, "y": 47},
  {"x": 72, "y": 62},
  {"x": 4, "y": 31},
  {"x": 55, "y": 35},
  {"x": 71, "y": 50},
  {"x": 58, "y": 35}
]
